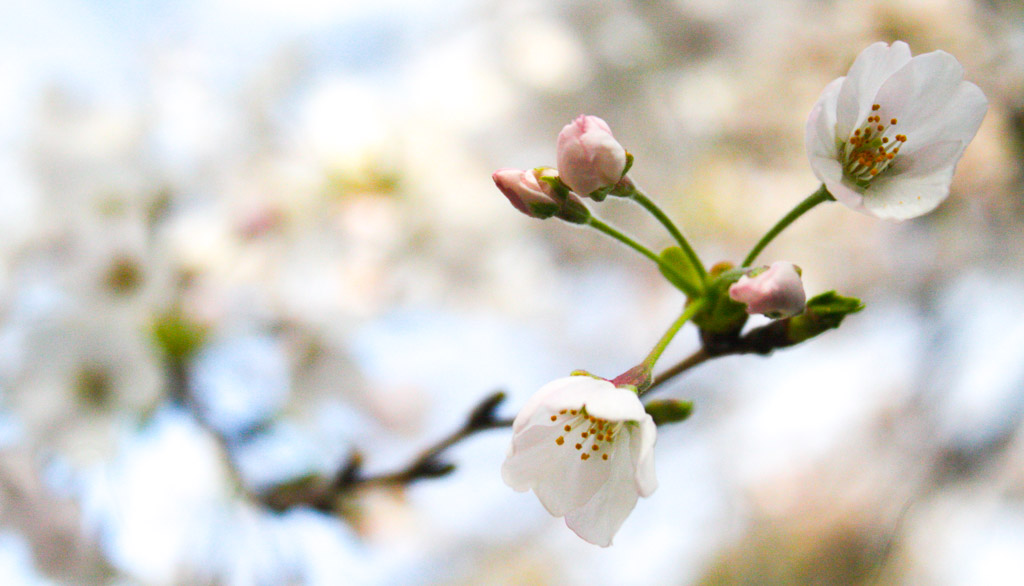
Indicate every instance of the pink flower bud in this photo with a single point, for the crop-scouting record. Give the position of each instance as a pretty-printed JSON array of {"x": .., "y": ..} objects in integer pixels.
[
  {"x": 775, "y": 291},
  {"x": 589, "y": 157},
  {"x": 534, "y": 198}
]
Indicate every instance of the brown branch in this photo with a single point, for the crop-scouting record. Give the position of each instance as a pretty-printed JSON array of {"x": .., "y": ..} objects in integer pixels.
[
  {"x": 429, "y": 463},
  {"x": 762, "y": 340},
  {"x": 326, "y": 495},
  {"x": 698, "y": 357}
]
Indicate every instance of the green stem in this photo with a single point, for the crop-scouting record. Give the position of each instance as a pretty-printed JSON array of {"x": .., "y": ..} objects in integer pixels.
[
  {"x": 639, "y": 197},
  {"x": 602, "y": 227},
  {"x": 688, "y": 312},
  {"x": 819, "y": 196}
]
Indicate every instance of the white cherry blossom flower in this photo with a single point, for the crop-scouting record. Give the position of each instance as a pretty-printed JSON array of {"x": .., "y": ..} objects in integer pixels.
[
  {"x": 586, "y": 448},
  {"x": 886, "y": 138}
]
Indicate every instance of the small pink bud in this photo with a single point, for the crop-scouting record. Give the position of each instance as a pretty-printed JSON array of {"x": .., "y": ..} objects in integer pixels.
[
  {"x": 534, "y": 198},
  {"x": 775, "y": 291},
  {"x": 589, "y": 157}
]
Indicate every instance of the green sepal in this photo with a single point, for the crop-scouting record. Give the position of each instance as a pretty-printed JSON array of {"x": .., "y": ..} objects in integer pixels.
[
  {"x": 722, "y": 315},
  {"x": 680, "y": 271},
  {"x": 573, "y": 212},
  {"x": 568, "y": 208},
  {"x": 560, "y": 189},
  {"x": 669, "y": 410},
  {"x": 629, "y": 163},
  {"x": 824, "y": 312},
  {"x": 601, "y": 193},
  {"x": 543, "y": 210}
]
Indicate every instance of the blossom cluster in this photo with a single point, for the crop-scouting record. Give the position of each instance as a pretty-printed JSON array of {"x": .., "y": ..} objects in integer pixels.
[{"x": 884, "y": 140}]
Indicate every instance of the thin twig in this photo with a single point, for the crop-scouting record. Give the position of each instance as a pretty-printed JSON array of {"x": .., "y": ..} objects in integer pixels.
[
  {"x": 762, "y": 340},
  {"x": 325, "y": 494},
  {"x": 429, "y": 463},
  {"x": 698, "y": 357}
]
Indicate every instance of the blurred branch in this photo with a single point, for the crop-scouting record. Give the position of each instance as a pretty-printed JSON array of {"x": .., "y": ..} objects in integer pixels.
[
  {"x": 51, "y": 525},
  {"x": 429, "y": 463},
  {"x": 180, "y": 337},
  {"x": 325, "y": 496}
]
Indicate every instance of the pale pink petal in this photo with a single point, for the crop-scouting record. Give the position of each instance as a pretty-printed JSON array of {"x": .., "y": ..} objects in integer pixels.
[
  {"x": 957, "y": 118},
  {"x": 934, "y": 157},
  {"x": 901, "y": 197},
  {"x": 531, "y": 456},
  {"x": 869, "y": 71},
  {"x": 589, "y": 158},
  {"x": 564, "y": 393},
  {"x": 641, "y": 449},
  {"x": 820, "y": 134},
  {"x": 919, "y": 88},
  {"x": 600, "y": 518},
  {"x": 561, "y": 480},
  {"x": 615, "y": 404}
]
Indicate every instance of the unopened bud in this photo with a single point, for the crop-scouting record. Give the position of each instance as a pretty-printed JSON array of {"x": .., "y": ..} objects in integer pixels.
[
  {"x": 590, "y": 160},
  {"x": 532, "y": 197},
  {"x": 774, "y": 291},
  {"x": 539, "y": 193}
]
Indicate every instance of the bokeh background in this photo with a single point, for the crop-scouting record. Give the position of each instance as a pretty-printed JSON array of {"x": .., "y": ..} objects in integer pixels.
[{"x": 241, "y": 240}]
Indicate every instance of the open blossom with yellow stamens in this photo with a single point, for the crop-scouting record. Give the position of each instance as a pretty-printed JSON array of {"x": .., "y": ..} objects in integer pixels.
[
  {"x": 886, "y": 138},
  {"x": 586, "y": 448}
]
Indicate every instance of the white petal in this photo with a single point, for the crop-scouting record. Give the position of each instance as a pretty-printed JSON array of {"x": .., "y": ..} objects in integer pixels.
[
  {"x": 600, "y": 397},
  {"x": 600, "y": 518},
  {"x": 561, "y": 480},
  {"x": 820, "y": 143},
  {"x": 641, "y": 450},
  {"x": 576, "y": 391},
  {"x": 927, "y": 98},
  {"x": 846, "y": 194},
  {"x": 532, "y": 454},
  {"x": 569, "y": 390},
  {"x": 614, "y": 404},
  {"x": 955, "y": 118},
  {"x": 820, "y": 133},
  {"x": 573, "y": 483},
  {"x": 901, "y": 197},
  {"x": 867, "y": 74},
  {"x": 933, "y": 158}
]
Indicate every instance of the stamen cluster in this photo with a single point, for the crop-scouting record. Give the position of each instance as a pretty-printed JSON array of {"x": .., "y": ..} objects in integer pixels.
[
  {"x": 871, "y": 148},
  {"x": 595, "y": 439}
]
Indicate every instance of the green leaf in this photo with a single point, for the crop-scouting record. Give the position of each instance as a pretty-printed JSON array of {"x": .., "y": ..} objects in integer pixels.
[
  {"x": 682, "y": 274},
  {"x": 824, "y": 312},
  {"x": 669, "y": 411}
]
